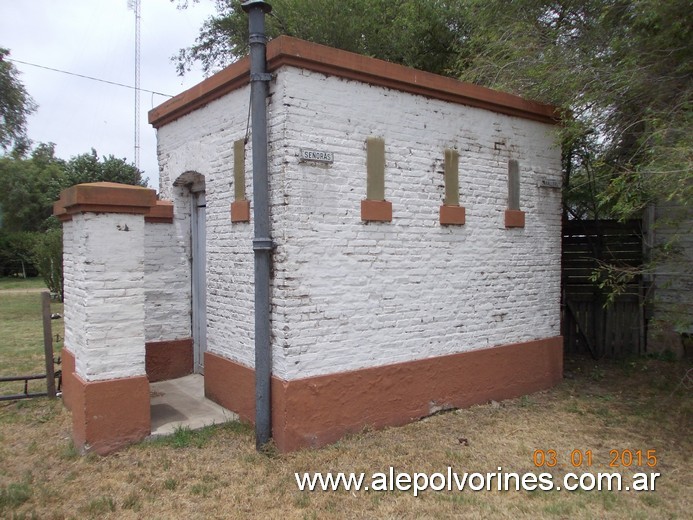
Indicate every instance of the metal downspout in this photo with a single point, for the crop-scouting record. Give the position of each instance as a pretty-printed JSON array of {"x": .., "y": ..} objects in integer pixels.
[{"x": 262, "y": 242}]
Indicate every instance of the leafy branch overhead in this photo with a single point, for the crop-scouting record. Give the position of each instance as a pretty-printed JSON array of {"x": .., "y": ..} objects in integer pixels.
[
  {"x": 15, "y": 105},
  {"x": 418, "y": 33},
  {"x": 621, "y": 70}
]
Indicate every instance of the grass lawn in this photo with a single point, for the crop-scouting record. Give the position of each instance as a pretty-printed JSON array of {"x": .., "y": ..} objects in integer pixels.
[
  {"x": 21, "y": 332},
  {"x": 21, "y": 283},
  {"x": 216, "y": 472}
]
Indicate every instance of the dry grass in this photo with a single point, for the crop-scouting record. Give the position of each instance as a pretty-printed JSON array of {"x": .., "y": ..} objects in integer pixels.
[
  {"x": 217, "y": 473},
  {"x": 21, "y": 333}
]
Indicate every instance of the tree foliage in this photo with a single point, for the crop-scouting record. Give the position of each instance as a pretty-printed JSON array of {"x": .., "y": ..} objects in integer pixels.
[
  {"x": 620, "y": 69},
  {"x": 17, "y": 254},
  {"x": 15, "y": 106},
  {"x": 30, "y": 237},
  {"x": 88, "y": 167},
  {"x": 30, "y": 186},
  {"x": 47, "y": 256},
  {"x": 417, "y": 33}
]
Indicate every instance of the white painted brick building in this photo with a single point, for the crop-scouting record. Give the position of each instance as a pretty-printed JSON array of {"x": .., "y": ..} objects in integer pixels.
[{"x": 375, "y": 320}]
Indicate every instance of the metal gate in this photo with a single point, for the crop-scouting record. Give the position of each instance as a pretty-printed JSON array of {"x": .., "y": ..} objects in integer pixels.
[{"x": 52, "y": 376}]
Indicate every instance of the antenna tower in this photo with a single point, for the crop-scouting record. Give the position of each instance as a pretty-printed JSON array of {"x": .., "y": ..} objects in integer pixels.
[{"x": 135, "y": 6}]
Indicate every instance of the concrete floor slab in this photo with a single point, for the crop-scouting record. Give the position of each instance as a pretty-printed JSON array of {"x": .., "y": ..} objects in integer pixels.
[{"x": 182, "y": 403}]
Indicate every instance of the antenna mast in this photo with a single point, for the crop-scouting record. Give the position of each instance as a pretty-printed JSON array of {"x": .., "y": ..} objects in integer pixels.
[{"x": 135, "y": 6}]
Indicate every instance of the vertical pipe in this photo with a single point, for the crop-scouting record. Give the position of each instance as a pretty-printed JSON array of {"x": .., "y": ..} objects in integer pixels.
[{"x": 262, "y": 241}]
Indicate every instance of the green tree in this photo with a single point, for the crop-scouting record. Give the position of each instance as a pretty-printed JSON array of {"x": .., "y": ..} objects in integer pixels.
[
  {"x": 88, "y": 167},
  {"x": 30, "y": 186},
  {"x": 47, "y": 256},
  {"x": 15, "y": 106},
  {"x": 621, "y": 68},
  {"x": 30, "y": 237},
  {"x": 418, "y": 33},
  {"x": 17, "y": 254}
]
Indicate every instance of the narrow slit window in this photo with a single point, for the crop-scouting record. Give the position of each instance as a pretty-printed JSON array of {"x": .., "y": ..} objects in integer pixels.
[
  {"x": 240, "y": 207},
  {"x": 514, "y": 217},
  {"x": 239, "y": 169},
  {"x": 374, "y": 208},
  {"x": 513, "y": 185},
  {"x": 452, "y": 178},
  {"x": 375, "y": 165},
  {"x": 451, "y": 213}
]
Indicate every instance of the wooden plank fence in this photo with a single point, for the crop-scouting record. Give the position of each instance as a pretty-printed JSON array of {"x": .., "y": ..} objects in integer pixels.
[{"x": 588, "y": 324}]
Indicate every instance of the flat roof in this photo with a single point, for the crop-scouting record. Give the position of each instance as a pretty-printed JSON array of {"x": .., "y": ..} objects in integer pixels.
[{"x": 286, "y": 50}]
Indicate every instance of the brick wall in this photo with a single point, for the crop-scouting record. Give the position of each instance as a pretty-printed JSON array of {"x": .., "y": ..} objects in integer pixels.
[
  {"x": 202, "y": 142},
  {"x": 167, "y": 277},
  {"x": 348, "y": 294},
  {"x": 104, "y": 294}
]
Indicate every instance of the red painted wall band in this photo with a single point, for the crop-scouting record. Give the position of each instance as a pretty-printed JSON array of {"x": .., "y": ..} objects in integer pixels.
[
  {"x": 316, "y": 411},
  {"x": 109, "y": 415},
  {"x": 168, "y": 359}
]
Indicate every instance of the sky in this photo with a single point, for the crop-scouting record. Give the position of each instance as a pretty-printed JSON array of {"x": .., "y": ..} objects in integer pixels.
[{"x": 97, "y": 38}]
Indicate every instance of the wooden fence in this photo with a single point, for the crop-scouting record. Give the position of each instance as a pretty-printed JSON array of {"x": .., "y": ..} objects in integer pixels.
[{"x": 588, "y": 324}]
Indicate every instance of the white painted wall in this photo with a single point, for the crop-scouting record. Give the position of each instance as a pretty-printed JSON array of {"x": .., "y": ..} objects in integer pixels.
[
  {"x": 73, "y": 308},
  {"x": 167, "y": 278},
  {"x": 104, "y": 294},
  {"x": 352, "y": 295},
  {"x": 202, "y": 142},
  {"x": 347, "y": 294}
]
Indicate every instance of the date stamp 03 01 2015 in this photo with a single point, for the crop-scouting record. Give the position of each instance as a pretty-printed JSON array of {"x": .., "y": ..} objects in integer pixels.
[{"x": 625, "y": 458}]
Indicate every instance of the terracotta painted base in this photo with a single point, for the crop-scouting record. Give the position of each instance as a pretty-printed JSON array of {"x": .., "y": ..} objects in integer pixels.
[
  {"x": 108, "y": 415},
  {"x": 168, "y": 359},
  {"x": 67, "y": 366},
  {"x": 231, "y": 385},
  {"x": 452, "y": 215},
  {"x": 514, "y": 218},
  {"x": 376, "y": 210},
  {"x": 316, "y": 411}
]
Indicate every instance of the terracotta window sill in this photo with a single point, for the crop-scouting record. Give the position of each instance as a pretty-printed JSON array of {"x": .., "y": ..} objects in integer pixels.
[
  {"x": 240, "y": 211},
  {"x": 376, "y": 210},
  {"x": 452, "y": 215},
  {"x": 514, "y": 218}
]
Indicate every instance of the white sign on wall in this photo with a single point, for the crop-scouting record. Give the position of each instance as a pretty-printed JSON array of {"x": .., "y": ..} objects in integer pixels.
[{"x": 320, "y": 156}]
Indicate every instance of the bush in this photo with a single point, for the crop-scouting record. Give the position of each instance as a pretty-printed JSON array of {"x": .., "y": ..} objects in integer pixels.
[
  {"x": 48, "y": 258},
  {"x": 16, "y": 254}
]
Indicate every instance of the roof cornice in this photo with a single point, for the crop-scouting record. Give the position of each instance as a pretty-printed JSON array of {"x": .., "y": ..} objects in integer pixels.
[{"x": 288, "y": 51}]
